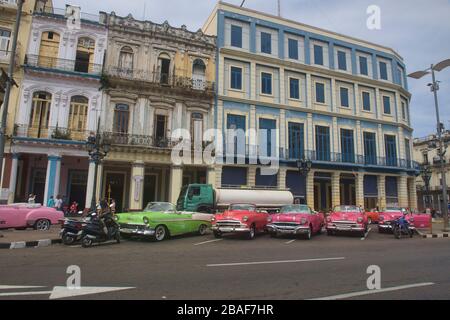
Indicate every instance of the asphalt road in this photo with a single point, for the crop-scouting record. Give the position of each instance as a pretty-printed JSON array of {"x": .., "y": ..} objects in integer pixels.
[{"x": 196, "y": 267}]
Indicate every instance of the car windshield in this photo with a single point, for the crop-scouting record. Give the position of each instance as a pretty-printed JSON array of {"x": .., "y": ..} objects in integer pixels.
[
  {"x": 295, "y": 208},
  {"x": 159, "y": 206},
  {"x": 346, "y": 209},
  {"x": 393, "y": 209},
  {"x": 242, "y": 207}
]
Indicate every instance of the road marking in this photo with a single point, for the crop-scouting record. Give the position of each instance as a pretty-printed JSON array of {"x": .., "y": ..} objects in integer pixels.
[
  {"x": 5, "y": 287},
  {"x": 30, "y": 293},
  {"x": 209, "y": 241},
  {"x": 289, "y": 242},
  {"x": 367, "y": 292},
  {"x": 367, "y": 233},
  {"x": 60, "y": 292},
  {"x": 272, "y": 262}
]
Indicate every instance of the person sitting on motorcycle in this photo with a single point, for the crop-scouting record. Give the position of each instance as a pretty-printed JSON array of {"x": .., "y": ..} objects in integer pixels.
[
  {"x": 403, "y": 223},
  {"x": 103, "y": 215}
]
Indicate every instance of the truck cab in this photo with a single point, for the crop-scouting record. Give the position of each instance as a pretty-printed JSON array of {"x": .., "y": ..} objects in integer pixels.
[{"x": 196, "y": 197}]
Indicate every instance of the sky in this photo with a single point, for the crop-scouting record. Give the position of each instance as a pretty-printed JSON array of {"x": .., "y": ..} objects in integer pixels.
[{"x": 419, "y": 30}]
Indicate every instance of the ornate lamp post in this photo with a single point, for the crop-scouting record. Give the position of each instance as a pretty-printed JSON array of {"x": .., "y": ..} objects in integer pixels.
[
  {"x": 425, "y": 173},
  {"x": 98, "y": 147},
  {"x": 304, "y": 166}
]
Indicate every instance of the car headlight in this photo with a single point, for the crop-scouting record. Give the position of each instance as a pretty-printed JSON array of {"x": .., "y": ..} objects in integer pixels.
[
  {"x": 213, "y": 218},
  {"x": 245, "y": 219},
  {"x": 146, "y": 221},
  {"x": 116, "y": 218},
  {"x": 360, "y": 220},
  {"x": 269, "y": 219},
  {"x": 303, "y": 221}
]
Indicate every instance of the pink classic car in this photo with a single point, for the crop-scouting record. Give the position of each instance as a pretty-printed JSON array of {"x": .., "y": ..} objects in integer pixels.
[
  {"x": 415, "y": 220},
  {"x": 25, "y": 215},
  {"x": 347, "y": 218},
  {"x": 295, "y": 219}
]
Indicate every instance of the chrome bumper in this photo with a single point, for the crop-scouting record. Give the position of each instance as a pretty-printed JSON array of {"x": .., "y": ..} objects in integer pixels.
[
  {"x": 334, "y": 227},
  {"x": 138, "y": 231},
  {"x": 230, "y": 229},
  {"x": 389, "y": 226},
  {"x": 287, "y": 229}
]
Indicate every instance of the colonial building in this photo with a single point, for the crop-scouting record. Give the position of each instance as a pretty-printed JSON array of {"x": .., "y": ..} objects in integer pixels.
[
  {"x": 425, "y": 153},
  {"x": 158, "y": 79},
  {"x": 341, "y": 102},
  {"x": 58, "y": 105}
]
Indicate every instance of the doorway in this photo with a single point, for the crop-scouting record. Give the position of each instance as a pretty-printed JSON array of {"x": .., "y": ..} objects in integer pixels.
[
  {"x": 115, "y": 188},
  {"x": 77, "y": 187},
  {"x": 150, "y": 188},
  {"x": 38, "y": 184}
]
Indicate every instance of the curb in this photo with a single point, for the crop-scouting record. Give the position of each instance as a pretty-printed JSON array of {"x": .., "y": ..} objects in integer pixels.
[
  {"x": 30, "y": 244},
  {"x": 434, "y": 235}
]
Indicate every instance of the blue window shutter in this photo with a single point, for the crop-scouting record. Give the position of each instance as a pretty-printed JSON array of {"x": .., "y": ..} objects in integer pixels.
[
  {"x": 322, "y": 143},
  {"x": 344, "y": 97},
  {"x": 342, "y": 60},
  {"x": 391, "y": 150},
  {"x": 386, "y": 105},
  {"x": 296, "y": 140},
  {"x": 236, "y": 78},
  {"x": 366, "y": 101},
  {"x": 266, "y": 83},
  {"x": 234, "y": 176},
  {"x": 370, "y": 148},
  {"x": 363, "y": 65},
  {"x": 293, "y": 49},
  {"x": 266, "y": 42},
  {"x": 318, "y": 55},
  {"x": 383, "y": 71},
  {"x": 236, "y": 36},
  {"x": 320, "y": 92},
  {"x": 269, "y": 125},
  {"x": 347, "y": 146},
  {"x": 294, "y": 88},
  {"x": 237, "y": 122}
]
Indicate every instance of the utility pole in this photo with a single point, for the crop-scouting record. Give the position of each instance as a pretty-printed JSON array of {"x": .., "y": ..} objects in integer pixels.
[{"x": 9, "y": 83}]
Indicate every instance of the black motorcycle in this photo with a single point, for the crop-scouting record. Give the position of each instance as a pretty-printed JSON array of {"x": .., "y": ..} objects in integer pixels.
[
  {"x": 93, "y": 231},
  {"x": 399, "y": 229},
  {"x": 71, "y": 230}
]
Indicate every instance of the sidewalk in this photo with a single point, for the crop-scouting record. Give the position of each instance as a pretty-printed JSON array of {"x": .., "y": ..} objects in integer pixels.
[
  {"x": 29, "y": 238},
  {"x": 437, "y": 230}
]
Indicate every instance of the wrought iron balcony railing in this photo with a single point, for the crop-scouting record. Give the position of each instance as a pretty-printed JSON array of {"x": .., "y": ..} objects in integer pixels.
[
  {"x": 50, "y": 63},
  {"x": 127, "y": 139},
  {"x": 50, "y": 132},
  {"x": 10, "y": 2},
  {"x": 163, "y": 79}
]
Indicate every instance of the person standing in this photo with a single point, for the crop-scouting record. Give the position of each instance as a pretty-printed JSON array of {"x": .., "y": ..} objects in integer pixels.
[
  {"x": 59, "y": 203},
  {"x": 32, "y": 198},
  {"x": 51, "y": 202},
  {"x": 112, "y": 206}
]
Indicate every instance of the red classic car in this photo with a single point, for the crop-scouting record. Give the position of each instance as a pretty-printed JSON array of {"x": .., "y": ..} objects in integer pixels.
[
  {"x": 372, "y": 216},
  {"x": 25, "y": 215},
  {"x": 295, "y": 219},
  {"x": 240, "y": 218},
  {"x": 415, "y": 220},
  {"x": 347, "y": 218}
]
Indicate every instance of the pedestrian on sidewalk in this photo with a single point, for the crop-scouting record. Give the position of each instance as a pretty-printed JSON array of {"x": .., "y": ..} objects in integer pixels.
[
  {"x": 59, "y": 203},
  {"x": 51, "y": 202}
]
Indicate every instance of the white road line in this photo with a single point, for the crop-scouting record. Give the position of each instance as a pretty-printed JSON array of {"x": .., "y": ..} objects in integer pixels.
[
  {"x": 289, "y": 242},
  {"x": 209, "y": 241},
  {"x": 367, "y": 292},
  {"x": 271, "y": 262},
  {"x": 367, "y": 233},
  {"x": 5, "y": 287},
  {"x": 30, "y": 293}
]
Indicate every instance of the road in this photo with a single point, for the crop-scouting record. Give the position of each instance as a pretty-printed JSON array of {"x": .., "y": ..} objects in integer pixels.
[{"x": 195, "y": 267}]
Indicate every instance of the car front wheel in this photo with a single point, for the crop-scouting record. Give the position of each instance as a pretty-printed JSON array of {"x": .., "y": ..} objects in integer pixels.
[
  {"x": 202, "y": 229},
  {"x": 160, "y": 233},
  {"x": 42, "y": 225},
  {"x": 252, "y": 232}
]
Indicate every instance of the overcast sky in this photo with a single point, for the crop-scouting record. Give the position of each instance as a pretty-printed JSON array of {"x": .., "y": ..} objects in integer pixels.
[{"x": 419, "y": 30}]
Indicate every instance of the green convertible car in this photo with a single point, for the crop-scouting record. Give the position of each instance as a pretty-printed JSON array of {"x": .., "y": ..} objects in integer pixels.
[{"x": 159, "y": 220}]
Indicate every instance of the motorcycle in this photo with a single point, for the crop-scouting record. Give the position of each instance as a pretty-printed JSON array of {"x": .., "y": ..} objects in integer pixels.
[
  {"x": 93, "y": 230},
  {"x": 71, "y": 230},
  {"x": 400, "y": 228}
]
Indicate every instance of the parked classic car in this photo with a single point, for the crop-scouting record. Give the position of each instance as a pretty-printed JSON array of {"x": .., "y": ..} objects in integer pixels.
[
  {"x": 415, "y": 220},
  {"x": 372, "y": 216},
  {"x": 240, "y": 218},
  {"x": 295, "y": 219},
  {"x": 159, "y": 220},
  {"x": 347, "y": 218},
  {"x": 27, "y": 215}
]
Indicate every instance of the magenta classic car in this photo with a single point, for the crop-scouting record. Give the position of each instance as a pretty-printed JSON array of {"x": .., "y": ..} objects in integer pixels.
[
  {"x": 25, "y": 215},
  {"x": 416, "y": 220},
  {"x": 347, "y": 218},
  {"x": 295, "y": 219}
]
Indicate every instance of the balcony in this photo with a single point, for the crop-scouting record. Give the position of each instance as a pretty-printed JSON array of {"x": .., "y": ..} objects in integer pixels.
[
  {"x": 146, "y": 141},
  {"x": 46, "y": 132},
  {"x": 76, "y": 67},
  {"x": 65, "y": 13},
  {"x": 161, "y": 79}
]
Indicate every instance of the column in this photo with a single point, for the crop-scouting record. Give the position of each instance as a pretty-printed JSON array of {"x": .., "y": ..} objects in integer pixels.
[
  {"x": 357, "y": 99},
  {"x": 253, "y": 82},
  {"x": 211, "y": 176},
  {"x": 52, "y": 177},
  {"x": 412, "y": 192},
  {"x": 380, "y": 140},
  {"x": 308, "y": 90},
  {"x": 251, "y": 176},
  {"x": 359, "y": 186},
  {"x": 359, "y": 143},
  {"x": 176, "y": 179},
  {"x": 382, "y": 192},
  {"x": 335, "y": 138},
  {"x": 281, "y": 177},
  {"x": 401, "y": 144},
  {"x": 218, "y": 174},
  {"x": 137, "y": 186},
  {"x": 253, "y": 135},
  {"x": 333, "y": 93},
  {"x": 310, "y": 189},
  {"x": 310, "y": 134},
  {"x": 90, "y": 184},
  {"x": 402, "y": 189},
  {"x": 98, "y": 194},
  {"x": 378, "y": 103},
  {"x": 282, "y": 80},
  {"x": 282, "y": 137},
  {"x": 335, "y": 188},
  {"x": 13, "y": 177}
]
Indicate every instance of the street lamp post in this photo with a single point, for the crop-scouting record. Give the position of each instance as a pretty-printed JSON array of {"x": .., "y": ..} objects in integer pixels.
[
  {"x": 98, "y": 148},
  {"x": 434, "y": 86},
  {"x": 425, "y": 173},
  {"x": 304, "y": 166}
]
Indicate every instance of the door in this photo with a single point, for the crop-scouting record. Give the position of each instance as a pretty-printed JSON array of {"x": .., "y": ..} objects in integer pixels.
[
  {"x": 38, "y": 184},
  {"x": 77, "y": 187},
  {"x": 150, "y": 183},
  {"x": 115, "y": 188},
  {"x": 235, "y": 138},
  {"x": 267, "y": 142},
  {"x": 296, "y": 146}
]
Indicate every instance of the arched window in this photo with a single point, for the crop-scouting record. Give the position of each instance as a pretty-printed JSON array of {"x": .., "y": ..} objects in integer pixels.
[
  {"x": 85, "y": 55},
  {"x": 164, "y": 68},
  {"x": 5, "y": 36},
  {"x": 121, "y": 116},
  {"x": 198, "y": 74},
  {"x": 49, "y": 49},
  {"x": 40, "y": 114},
  {"x": 78, "y": 115},
  {"x": 126, "y": 59}
]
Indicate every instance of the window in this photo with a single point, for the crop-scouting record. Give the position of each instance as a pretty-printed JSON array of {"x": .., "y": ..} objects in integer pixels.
[
  {"x": 408, "y": 153},
  {"x": 403, "y": 111},
  {"x": 386, "y": 105},
  {"x": 4, "y": 41},
  {"x": 342, "y": 60},
  {"x": 198, "y": 74},
  {"x": 425, "y": 157},
  {"x": 366, "y": 101},
  {"x": 383, "y": 71},
  {"x": 344, "y": 97},
  {"x": 322, "y": 143},
  {"x": 40, "y": 114},
  {"x": 320, "y": 92},
  {"x": 164, "y": 68},
  {"x": 236, "y": 36},
  {"x": 160, "y": 130},
  {"x": 266, "y": 83},
  {"x": 391, "y": 150},
  {"x": 126, "y": 59},
  {"x": 294, "y": 88},
  {"x": 197, "y": 128},
  {"x": 235, "y": 135},
  {"x": 49, "y": 49},
  {"x": 266, "y": 42},
  {"x": 78, "y": 113},
  {"x": 236, "y": 78},
  {"x": 363, "y": 66},
  {"x": 268, "y": 126},
  {"x": 347, "y": 146},
  {"x": 318, "y": 55},
  {"x": 296, "y": 140},
  {"x": 370, "y": 148},
  {"x": 121, "y": 115},
  {"x": 85, "y": 55},
  {"x": 293, "y": 49}
]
